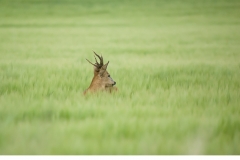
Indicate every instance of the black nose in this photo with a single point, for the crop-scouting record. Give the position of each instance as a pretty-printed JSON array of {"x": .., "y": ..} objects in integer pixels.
[{"x": 114, "y": 83}]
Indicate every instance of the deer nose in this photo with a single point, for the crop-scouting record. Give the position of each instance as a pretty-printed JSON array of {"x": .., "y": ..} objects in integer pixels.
[{"x": 114, "y": 83}]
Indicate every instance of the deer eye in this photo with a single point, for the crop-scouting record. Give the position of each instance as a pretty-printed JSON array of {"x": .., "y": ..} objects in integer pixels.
[{"x": 109, "y": 75}]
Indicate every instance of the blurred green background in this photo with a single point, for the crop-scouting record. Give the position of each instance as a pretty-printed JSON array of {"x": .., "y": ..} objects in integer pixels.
[{"x": 176, "y": 64}]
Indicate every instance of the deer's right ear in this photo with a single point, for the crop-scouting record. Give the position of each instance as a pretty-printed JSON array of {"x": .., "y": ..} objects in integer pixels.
[{"x": 103, "y": 69}]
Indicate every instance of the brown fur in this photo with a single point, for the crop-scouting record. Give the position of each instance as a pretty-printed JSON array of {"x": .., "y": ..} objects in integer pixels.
[{"x": 102, "y": 80}]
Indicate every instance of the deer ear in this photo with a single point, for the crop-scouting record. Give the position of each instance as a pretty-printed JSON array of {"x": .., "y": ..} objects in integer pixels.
[{"x": 103, "y": 69}]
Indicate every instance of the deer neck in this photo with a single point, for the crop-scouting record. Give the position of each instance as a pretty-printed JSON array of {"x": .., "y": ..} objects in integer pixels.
[{"x": 96, "y": 84}]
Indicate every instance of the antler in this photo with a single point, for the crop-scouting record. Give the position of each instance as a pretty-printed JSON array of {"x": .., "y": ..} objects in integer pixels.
[{"x": 97, "y": 65}]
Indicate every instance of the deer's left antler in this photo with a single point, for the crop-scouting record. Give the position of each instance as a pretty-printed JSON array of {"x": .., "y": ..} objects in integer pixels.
[{"x": 97, "y": 65}]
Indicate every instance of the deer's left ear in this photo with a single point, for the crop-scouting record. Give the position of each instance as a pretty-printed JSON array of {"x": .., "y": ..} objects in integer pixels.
[{"x": 103, "y": 69}]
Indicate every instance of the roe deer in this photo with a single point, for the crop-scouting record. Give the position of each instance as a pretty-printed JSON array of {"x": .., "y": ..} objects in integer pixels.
[{"x": 101, "y": 80}]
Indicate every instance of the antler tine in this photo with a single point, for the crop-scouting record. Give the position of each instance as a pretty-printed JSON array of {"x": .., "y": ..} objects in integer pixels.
[
  {"x": 92, "y": 63},
  {"x": 101, "y": 58},
  {"x": 97, "y": 55},
  {"x": 96, "y": 60}
]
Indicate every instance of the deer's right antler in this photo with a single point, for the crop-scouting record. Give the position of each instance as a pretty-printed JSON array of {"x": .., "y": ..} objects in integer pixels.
[{"x": 97, "y": 65}]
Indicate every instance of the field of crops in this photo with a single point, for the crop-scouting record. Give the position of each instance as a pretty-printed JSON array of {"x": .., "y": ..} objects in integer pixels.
[{"x": 176, "y": 64}]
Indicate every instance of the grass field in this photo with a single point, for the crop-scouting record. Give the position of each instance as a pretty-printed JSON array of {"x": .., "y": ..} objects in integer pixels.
[{"x": 176, "y": 64}]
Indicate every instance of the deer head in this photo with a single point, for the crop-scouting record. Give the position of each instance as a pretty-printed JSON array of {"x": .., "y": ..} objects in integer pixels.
[{"x": 102, "y": 79}]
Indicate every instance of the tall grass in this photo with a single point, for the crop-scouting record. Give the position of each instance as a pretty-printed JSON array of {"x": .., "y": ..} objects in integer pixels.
[{"x": 176, "y": 65}]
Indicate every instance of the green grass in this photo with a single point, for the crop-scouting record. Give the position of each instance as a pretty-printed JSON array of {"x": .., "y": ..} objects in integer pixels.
[{"x": 176, "y": 64}]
